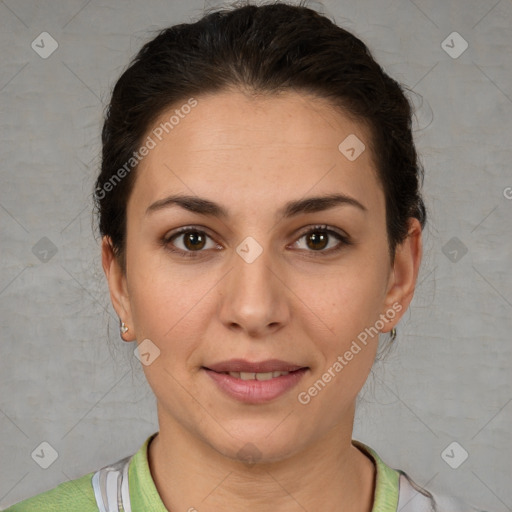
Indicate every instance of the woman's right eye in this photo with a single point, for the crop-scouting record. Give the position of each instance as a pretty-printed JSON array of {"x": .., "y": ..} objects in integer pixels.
[{"x": 188, "y": 241}]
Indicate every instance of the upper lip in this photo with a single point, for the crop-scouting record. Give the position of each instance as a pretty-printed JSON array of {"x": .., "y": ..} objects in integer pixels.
[{"x": 242, "y": 365}]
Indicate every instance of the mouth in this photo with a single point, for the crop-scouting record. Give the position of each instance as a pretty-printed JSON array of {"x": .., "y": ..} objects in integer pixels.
[
  {"x": 255, "y": 382},
  {"x": 244, "y": 366},
  {"x": 261, "y": 376}
]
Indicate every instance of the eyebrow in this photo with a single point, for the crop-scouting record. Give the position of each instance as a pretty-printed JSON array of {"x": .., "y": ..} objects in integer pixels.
[{"x": 203, "y": 206}]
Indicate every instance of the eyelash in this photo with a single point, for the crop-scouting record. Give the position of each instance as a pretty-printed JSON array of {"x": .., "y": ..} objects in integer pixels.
[{"x": 343, "y": 239}]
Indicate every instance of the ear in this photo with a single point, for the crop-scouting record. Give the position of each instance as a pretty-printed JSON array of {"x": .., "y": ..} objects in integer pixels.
[
  {"x": 402, "y": 280},
  {"x": 117, "y": 285}
]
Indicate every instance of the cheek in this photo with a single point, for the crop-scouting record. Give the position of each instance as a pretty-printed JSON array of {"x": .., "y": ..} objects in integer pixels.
[
  {"x": 345, "y": 352},
  {"x": 166, "y": 303},
  {"x": 172, "y": 319},
  {"x": 340, "y": 318},
  {"x": 345, "y": 300}
]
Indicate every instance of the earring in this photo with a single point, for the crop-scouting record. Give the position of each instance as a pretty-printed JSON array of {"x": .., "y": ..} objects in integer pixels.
[
  {"x": 122, "y": 327},
  {"x": 393, "y": 334}
]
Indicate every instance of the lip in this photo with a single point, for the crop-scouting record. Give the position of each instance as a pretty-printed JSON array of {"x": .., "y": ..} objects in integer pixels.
[
  {"x": 255, "y": 391},
  {"x": 242, "y": 365}
]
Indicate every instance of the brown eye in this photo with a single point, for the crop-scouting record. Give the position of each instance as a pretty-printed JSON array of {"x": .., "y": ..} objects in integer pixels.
[
  {"x": 189, "y": 242},
  {"x": 317, "y": 240},
  {"x": 194, "y": 240},
  {"x": 322, "y": 240}
]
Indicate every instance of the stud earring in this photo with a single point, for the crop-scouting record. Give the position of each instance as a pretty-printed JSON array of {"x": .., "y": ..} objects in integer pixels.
[
  {"x": 393, "y": 334},
  {"x": 122, "y": 327}
]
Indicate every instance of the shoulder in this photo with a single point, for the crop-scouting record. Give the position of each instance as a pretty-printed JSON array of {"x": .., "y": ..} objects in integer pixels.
[
  {"x": 413, "y": 498},
  {"x": 73, "y": 495},
  {"x": 395, "y": 491},
  {"x": 454, "y": 504},
  {"x": 80, "y": 494}
]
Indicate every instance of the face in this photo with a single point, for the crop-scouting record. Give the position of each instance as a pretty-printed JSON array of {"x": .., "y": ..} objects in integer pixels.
[{"x": 255, "y": 245}]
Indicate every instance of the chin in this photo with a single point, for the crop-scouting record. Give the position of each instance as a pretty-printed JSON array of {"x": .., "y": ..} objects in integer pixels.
[{"x": 263, "y": 443}]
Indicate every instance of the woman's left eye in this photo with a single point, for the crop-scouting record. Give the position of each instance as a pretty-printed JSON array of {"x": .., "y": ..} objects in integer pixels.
[{"x": 322, "y": 239}]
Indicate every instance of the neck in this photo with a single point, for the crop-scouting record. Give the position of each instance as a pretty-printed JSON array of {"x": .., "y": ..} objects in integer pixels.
[{"x": 330, "y": 475}]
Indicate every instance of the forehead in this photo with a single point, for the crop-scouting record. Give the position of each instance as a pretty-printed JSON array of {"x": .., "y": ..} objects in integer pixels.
[
  {"x": 234, "y": 120},
  {"x": 265, "y": 145}
]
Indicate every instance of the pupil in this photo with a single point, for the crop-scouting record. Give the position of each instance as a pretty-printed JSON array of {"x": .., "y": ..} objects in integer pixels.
[
  {"x": 317, "y": 238},
  {"x": 194, "y": 240}
]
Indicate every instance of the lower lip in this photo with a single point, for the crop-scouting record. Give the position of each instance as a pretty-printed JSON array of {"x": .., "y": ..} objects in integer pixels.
[{"x": 256, "y": 391}]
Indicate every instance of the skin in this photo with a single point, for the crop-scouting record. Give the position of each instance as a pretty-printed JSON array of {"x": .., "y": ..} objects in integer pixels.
[{"x": 294, "y": 302}]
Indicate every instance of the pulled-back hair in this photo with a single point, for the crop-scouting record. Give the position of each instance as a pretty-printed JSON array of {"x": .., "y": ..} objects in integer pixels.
[{"x": 261, "y": 49}]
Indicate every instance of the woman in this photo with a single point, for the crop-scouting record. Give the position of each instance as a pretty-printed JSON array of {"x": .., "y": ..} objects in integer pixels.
[{"x": 259, "y": 202}]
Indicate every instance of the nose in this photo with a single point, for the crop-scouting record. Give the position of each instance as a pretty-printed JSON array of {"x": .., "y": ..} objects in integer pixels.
[{"x": 254, "y": 297}]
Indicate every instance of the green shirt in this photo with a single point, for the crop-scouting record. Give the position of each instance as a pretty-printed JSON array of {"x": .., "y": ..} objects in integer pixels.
[{"x": 78, "y": 495}]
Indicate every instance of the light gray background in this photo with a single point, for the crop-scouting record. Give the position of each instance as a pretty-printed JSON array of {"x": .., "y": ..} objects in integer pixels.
[{"x": 448, "y": 377}]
